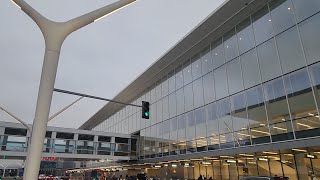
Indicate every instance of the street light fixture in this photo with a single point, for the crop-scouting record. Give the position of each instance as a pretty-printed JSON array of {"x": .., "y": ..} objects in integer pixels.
[{"x": 54, "y": 34}]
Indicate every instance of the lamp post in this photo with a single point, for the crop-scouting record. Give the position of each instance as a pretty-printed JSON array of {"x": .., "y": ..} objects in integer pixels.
[{"x": 54, "y": 34}]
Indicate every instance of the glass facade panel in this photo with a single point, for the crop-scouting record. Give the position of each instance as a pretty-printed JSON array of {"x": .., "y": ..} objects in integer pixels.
[
  {"x": 212, "y": 119},
  {"x": 276, "y": 101},
  {"x": 290, "y": 50},
  {"x": 179, "y": 78},
  {"x": 262, "y": 25},
  {"x": 225, "y": 121},
  {"x": 198, "y": 93},
  {"x": 310, "y": 41},
  {"x": 181, "y": 120},
  {"x": 171, "y": 82},
  {"x": 230, "y": 45},
  {"x": 239, "y": 112},
  {"x": 305, "y": 9},
  {"x": 180, "y": 101},
  {"x": 206, "y": 60},
  {"x": 281, "y": 131},
  {"x": 208, "y": 88},
  {"x": 315, "y": 77},
  {"x": 235, "y": 80},
  {"x": 269, "y": 61},
  {"x": 200, "y": 120},
  {"x": 165, "y": 108},
  {"x": 245, "y": 36},
  {"x": 187, "y": 74},
  {"x": 220, "y": 80},
  {"x": 188, "y": 97},
  {"x": 191, "y": 126},
  {"x": 172, "y": 105},
  {"x": 301, "y": 103},
  {"x": 256, "y": 107},
  {"x": 217, "y": 53},
  {"x": 196, "y": 66},
  {"x": 282, "y": 13},
  {"x": 250, "y": 69}
]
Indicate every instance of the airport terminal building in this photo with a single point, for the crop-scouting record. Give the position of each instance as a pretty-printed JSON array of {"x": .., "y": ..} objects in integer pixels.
[{"x": 238, "y": 96}]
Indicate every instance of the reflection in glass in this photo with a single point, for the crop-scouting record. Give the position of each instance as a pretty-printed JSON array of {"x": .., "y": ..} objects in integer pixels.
[
  {"x": 180, "y": 101},
  {"x": 191, "y": 126},
  {"x": 250, "y": 69},
  {"x": 171, "y": 82},
  {"x": 239, "y": 112},
  {"x": 200, "y": 120},
  {"x": 187, "y": 75},
  {"x": 172, "y": 105},
  {"x": 230, "y": 45},
  {"x": 256, "y": 109},
  {"x": 179, "y": 77},
  {"x": 315, "y": 77},
  {"x": 213, "y": 143},
  {"x": 281, "y": 131},
  {"x": 208, "y": 88},
  {"x": 212, "y": 120},
  {"x": 305, "y": 9},
  {"x": 262, "y": 25},
  {"x": 225, "y": 121},
  {"x": 311, "y": 42},
  {"x": 245, "y": 36},
  {"x": 220, "y": 80},
  {"x": 234, "y": 76},
  {"x": 206, "y": 60},
  {"x": 198, "y": 93},
  {"x": 217, "y": 53},
  {"x": 188, "y": 97},
  {"x": 290, "y": 50},
  {"x": 276, "y": 101},
  {"x": 282, "y": 15},
  {"x": 269, "y": 61},
  {"x": 196, "y": 66}
]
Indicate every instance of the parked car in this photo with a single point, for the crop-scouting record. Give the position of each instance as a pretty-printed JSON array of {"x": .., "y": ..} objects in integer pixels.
[{"x": 264, "y": 178}]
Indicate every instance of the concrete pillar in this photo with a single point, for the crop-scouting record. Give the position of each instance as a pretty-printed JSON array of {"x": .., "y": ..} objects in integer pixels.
[{"x": 301, "y": 165}]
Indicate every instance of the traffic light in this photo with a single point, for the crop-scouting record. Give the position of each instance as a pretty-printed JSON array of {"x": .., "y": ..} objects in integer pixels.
[{"x": 145, "y": 110}]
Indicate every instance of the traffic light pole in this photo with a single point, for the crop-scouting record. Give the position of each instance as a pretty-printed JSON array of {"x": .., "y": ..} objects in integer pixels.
[
  {"x": 93, "y": 97},
  {"x": 54, "y": 34}
]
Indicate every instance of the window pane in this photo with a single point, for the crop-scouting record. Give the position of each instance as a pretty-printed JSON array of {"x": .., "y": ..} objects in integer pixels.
[
  {"x": 256, "y": 109},
  {"x": 172, "y": 82},
  {"x": 173, "y": 132},
  {"x": 217, "y": 54},
  {"x": 262, "y": 25},
  {"x": 180, "y": 101},
  {"x": 158, "y": 92},
  {"x": 269, "y": 62},
  {"x": 165, "y": 108},
  {"x": 282, "y": 15},
  {"x": 206, "y": 60},
  {"x": 198, "y": 93},
  {"x": 187, "y": 75},
  {"x": 230, "y": 45},
  {"x": 245, "y": 36},
  {"x": 220, "y": 79},
  {"x": 299, "y": 90},
  {"x": 260, "y": 135},
  {"x": 208, "y": 88},
  {"x": 212, "y": 120},
  {"x": 290, "y": 50},
  {"x": 172, "y": 105},
  {"x": 179, "y": 78},
  {"x": 250, "y": 69},
  {"x": 225, "y": 121},
  {"x": 196, "y": 66},
  {"x": 188, "y": 97},
  {"x": 199, "y": 115},
  {"x": 239, "y": 112},
  {"x": 315, "y": 77},
  {"x": 165, "y": 88},
  {"x": 159, "y": 111},
  {"x": 276, "y": 101},
  {"x": 234, "y": 76},
  {"x": 305, "y": 9},
  {"x": 191, "y": 128},
  {"x": 181, "y": 128},
  {"x": 311, "y": 41}
]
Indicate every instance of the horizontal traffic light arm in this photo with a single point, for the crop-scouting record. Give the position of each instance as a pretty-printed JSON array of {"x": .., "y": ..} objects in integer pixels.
[{"x": 93, "y": 97}]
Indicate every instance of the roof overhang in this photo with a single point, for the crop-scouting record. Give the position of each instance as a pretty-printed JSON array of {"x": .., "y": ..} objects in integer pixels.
[{"x": 230, "y": 13}]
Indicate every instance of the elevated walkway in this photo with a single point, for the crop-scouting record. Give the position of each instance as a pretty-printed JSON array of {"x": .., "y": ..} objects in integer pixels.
[{"x": 68, "y": 144}]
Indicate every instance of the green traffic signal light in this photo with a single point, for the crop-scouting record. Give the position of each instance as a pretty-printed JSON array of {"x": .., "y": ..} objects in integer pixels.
[
  {"x": 145, "y": 110},
  {"x": 146, "y": 114}
]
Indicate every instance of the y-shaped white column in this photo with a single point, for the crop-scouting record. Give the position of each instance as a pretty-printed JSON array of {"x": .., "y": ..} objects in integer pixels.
[{"x": 54, "y": 34}]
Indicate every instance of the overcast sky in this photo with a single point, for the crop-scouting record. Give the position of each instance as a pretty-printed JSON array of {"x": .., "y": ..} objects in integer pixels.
[{"x": 100, "y": 59}]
